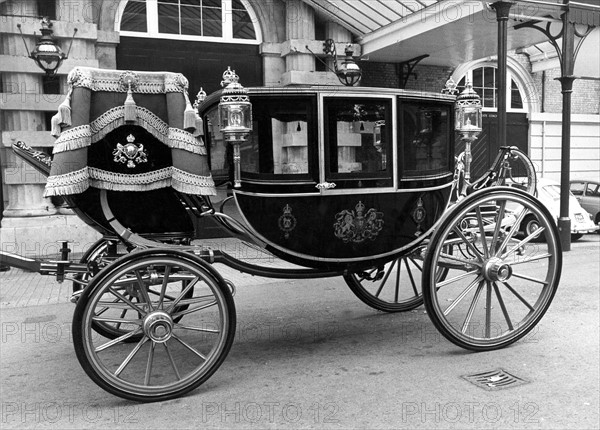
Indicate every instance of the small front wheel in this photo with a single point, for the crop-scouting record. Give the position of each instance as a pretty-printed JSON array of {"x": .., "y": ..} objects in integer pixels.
[
  {"x": 497, "y": 287},
  {"x": 182, "y": 335}
]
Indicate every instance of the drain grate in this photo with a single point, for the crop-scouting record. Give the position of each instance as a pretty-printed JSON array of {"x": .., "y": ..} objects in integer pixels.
[{"x": 492, "y": 380}]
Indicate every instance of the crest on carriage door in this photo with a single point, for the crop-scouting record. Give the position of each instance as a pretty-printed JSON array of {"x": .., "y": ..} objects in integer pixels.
[
  {"x": 287, "y": 222},
  {"x": 130, "y": 153},
  {"x": 358, "y": 225}
]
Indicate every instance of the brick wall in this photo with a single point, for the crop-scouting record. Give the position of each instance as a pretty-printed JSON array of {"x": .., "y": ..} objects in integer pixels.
[
  {"x": 584, "y": 100},
  {"x": 428, "y": 78}
]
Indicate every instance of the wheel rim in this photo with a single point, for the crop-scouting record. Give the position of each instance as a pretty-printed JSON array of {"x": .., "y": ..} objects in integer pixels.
[
  {"x": 172, "y": 355},
  {"x": 497, "y": 286}
]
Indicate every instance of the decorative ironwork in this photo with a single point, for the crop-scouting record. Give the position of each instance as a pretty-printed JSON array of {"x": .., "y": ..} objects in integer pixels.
[
  {"x": 287, "y": 222},
  {"x": 357, "y": 225},
  {"x": 405, "y": 69},
  {"x": 418, "y": 215},
  {"x": 130, "y": 153}
]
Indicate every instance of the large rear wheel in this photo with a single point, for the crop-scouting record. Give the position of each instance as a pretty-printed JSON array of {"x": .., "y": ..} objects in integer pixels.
[{"x": 497, "y": 287}]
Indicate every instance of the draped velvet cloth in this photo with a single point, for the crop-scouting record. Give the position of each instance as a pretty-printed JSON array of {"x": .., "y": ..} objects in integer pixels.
[{"x": 127, "y": 131}]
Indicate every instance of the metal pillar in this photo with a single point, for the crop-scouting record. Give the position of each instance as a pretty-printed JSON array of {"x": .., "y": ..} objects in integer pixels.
[
  {"x": 502, "y": 9},
  {"x": 566, "y": 81}
]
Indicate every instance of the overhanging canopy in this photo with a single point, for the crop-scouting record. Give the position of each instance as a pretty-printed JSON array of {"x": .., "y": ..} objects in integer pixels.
[{"x": 451, "y": 32}]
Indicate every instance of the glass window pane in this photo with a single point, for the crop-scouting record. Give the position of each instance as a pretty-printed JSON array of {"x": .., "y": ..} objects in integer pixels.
[
  {"x": 425, "y": 131},
  {"x": 169, "y": 1},
  {"x": 516, "y": 102},
  {"x": 212, "y": 22},
  {"x": 488, "y": 77},
  {"x": 237, "y": 4},
  {"x": 242, "y": 25},
  {"x": 577, "y": 188},
  {"x": 191, "y": 2},
  {"x": 478, "y": 78},
  {"x": 134, "y": 17},
  {"x": 168, "y": 19},
  {"x": 279, "y": 142},
  {"x": 212, "y": 3},
  {"x": 191, "y": 21},
  {"x": 357, "y": 137}
]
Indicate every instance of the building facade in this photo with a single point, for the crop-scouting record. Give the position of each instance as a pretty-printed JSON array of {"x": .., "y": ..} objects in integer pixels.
[{"x": 268, "y": 43}]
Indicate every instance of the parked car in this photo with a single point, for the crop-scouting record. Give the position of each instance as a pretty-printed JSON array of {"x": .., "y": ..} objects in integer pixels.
[
  {"x": 548, "y": 192},
  {"x": 587, "y": 194}
]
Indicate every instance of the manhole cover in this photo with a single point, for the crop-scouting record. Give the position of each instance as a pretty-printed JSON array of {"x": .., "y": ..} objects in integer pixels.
[{"x": 495, "y": 380}]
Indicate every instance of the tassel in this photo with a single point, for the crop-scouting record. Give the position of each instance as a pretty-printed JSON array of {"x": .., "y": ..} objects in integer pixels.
[
  {"x": 189, "y": 115},
  {"x": 199, "y": 127},
  {"x": 64, "y": 110},
  {"x": 130, "y": 107},
  {"x": 55, "y": 129}
]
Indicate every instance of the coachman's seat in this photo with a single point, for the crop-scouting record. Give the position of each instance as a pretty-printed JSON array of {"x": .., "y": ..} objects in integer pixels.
[{"x": 129, "y": 142}]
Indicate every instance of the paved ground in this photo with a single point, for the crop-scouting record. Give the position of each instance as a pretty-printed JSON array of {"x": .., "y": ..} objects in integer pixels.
[{"x": 308, "y": 354}]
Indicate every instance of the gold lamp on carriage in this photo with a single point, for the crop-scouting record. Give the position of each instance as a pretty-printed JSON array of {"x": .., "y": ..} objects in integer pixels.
[{"x": 235, "y": 117}]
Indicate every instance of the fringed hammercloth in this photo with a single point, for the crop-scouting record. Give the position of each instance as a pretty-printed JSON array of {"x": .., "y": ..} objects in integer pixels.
[{"x": 128, "y": 131}]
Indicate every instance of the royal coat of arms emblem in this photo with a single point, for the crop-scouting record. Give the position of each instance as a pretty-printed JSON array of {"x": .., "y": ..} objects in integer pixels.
[
  {"x": 130, "y": 153},
  {"x": 357, "y": 225}
]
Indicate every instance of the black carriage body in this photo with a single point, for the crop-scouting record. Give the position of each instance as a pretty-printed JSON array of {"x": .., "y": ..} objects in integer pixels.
[{"x": 338, "y": 177}]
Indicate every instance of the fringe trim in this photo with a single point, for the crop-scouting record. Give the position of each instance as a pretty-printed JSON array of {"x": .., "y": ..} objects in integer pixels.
[
  {"x": 189, "y": 183},
  {"x": 55, "y": 128},
  {"x": 110, "y": 80},
  {"x": 73, "y": 138},
  {"x": 64, "y": 110},
  {"x": 80, "y": 180},
  {"x": 84, "y": 135},
  {"x": 69, "y": 183}
]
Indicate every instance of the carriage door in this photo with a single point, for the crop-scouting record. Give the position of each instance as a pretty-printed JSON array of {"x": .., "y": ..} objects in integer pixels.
[{"x": 357, "y": 136}]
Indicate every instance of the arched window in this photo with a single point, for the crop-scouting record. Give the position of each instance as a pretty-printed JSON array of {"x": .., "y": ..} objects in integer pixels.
[
  {"x": 484, "y": 82},
  {"x": 229, "y": 21}
]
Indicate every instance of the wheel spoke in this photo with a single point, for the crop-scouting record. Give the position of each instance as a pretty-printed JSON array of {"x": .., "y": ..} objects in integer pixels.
[
  {"x": 189, "y": 311},
  {"x": 518, "y": 296},
  {"x": 118, "y": 340},
  {"x": 529, "y": 260},
  {"x": 523, "y": 242},
  {"x": 412, "y": 279},
  {"x": 183, "y": 294},
  {"x": 143, "y": 290},
  {"x": 163, "y": 288},
  {"x": 172, "y": 361},
  {"x": 482, "y": 232},
  {"x": 385, "y": 278},
  {"x": 501, "y": 210},
  {"x": 456, "y": 278},
  {"x": 460, "y": 260},
  {"x": 397, "y": 290},
  {"x": 181, "y": 341},
  {"x": 149, "y": 364},
  {"x": 529, "y": 278},
  {"x": 476, "y": 251},
  {"x": 511, "y": 232},
  {"x": 503, "y": 307},
  {"x": 472, "y": 307},
  {"x": 462, "y": 295},
  {"x": 117, "y": 320},
  {"x": 126, "y": 300},
  {"x": 488, "y": 309},
  {"x": 132, "y": 354},
  {"x": 201, "y": 329}
]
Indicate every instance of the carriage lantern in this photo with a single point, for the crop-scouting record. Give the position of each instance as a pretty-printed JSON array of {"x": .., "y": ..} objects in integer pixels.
[
  {"x": 235, "y": 117},
  {"x": 468, "y": 113}
]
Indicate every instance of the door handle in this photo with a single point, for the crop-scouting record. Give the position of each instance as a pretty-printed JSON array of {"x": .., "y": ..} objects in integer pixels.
[{"x": 325, "y": 186}]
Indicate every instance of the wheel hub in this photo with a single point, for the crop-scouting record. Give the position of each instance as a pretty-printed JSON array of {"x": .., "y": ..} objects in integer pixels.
[
  {"x": 496, "y": 270},
  {"x": 158, "y": 326}
]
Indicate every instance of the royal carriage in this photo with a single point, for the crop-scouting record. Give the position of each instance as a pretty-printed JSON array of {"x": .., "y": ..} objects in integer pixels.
[{"x": 359, "y": 183}]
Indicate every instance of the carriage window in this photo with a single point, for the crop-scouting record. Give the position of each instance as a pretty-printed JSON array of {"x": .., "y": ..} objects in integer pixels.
[
  {"x": 358, "y": 141},
  {"x": 280, "y": 141},
  {"x": 425, "y": 138}
]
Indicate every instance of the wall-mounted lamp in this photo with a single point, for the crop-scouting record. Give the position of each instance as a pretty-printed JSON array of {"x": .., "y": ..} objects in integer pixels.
[
  {"x": 348, "y": 72},
  {"x": 47, "y": 54}
]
